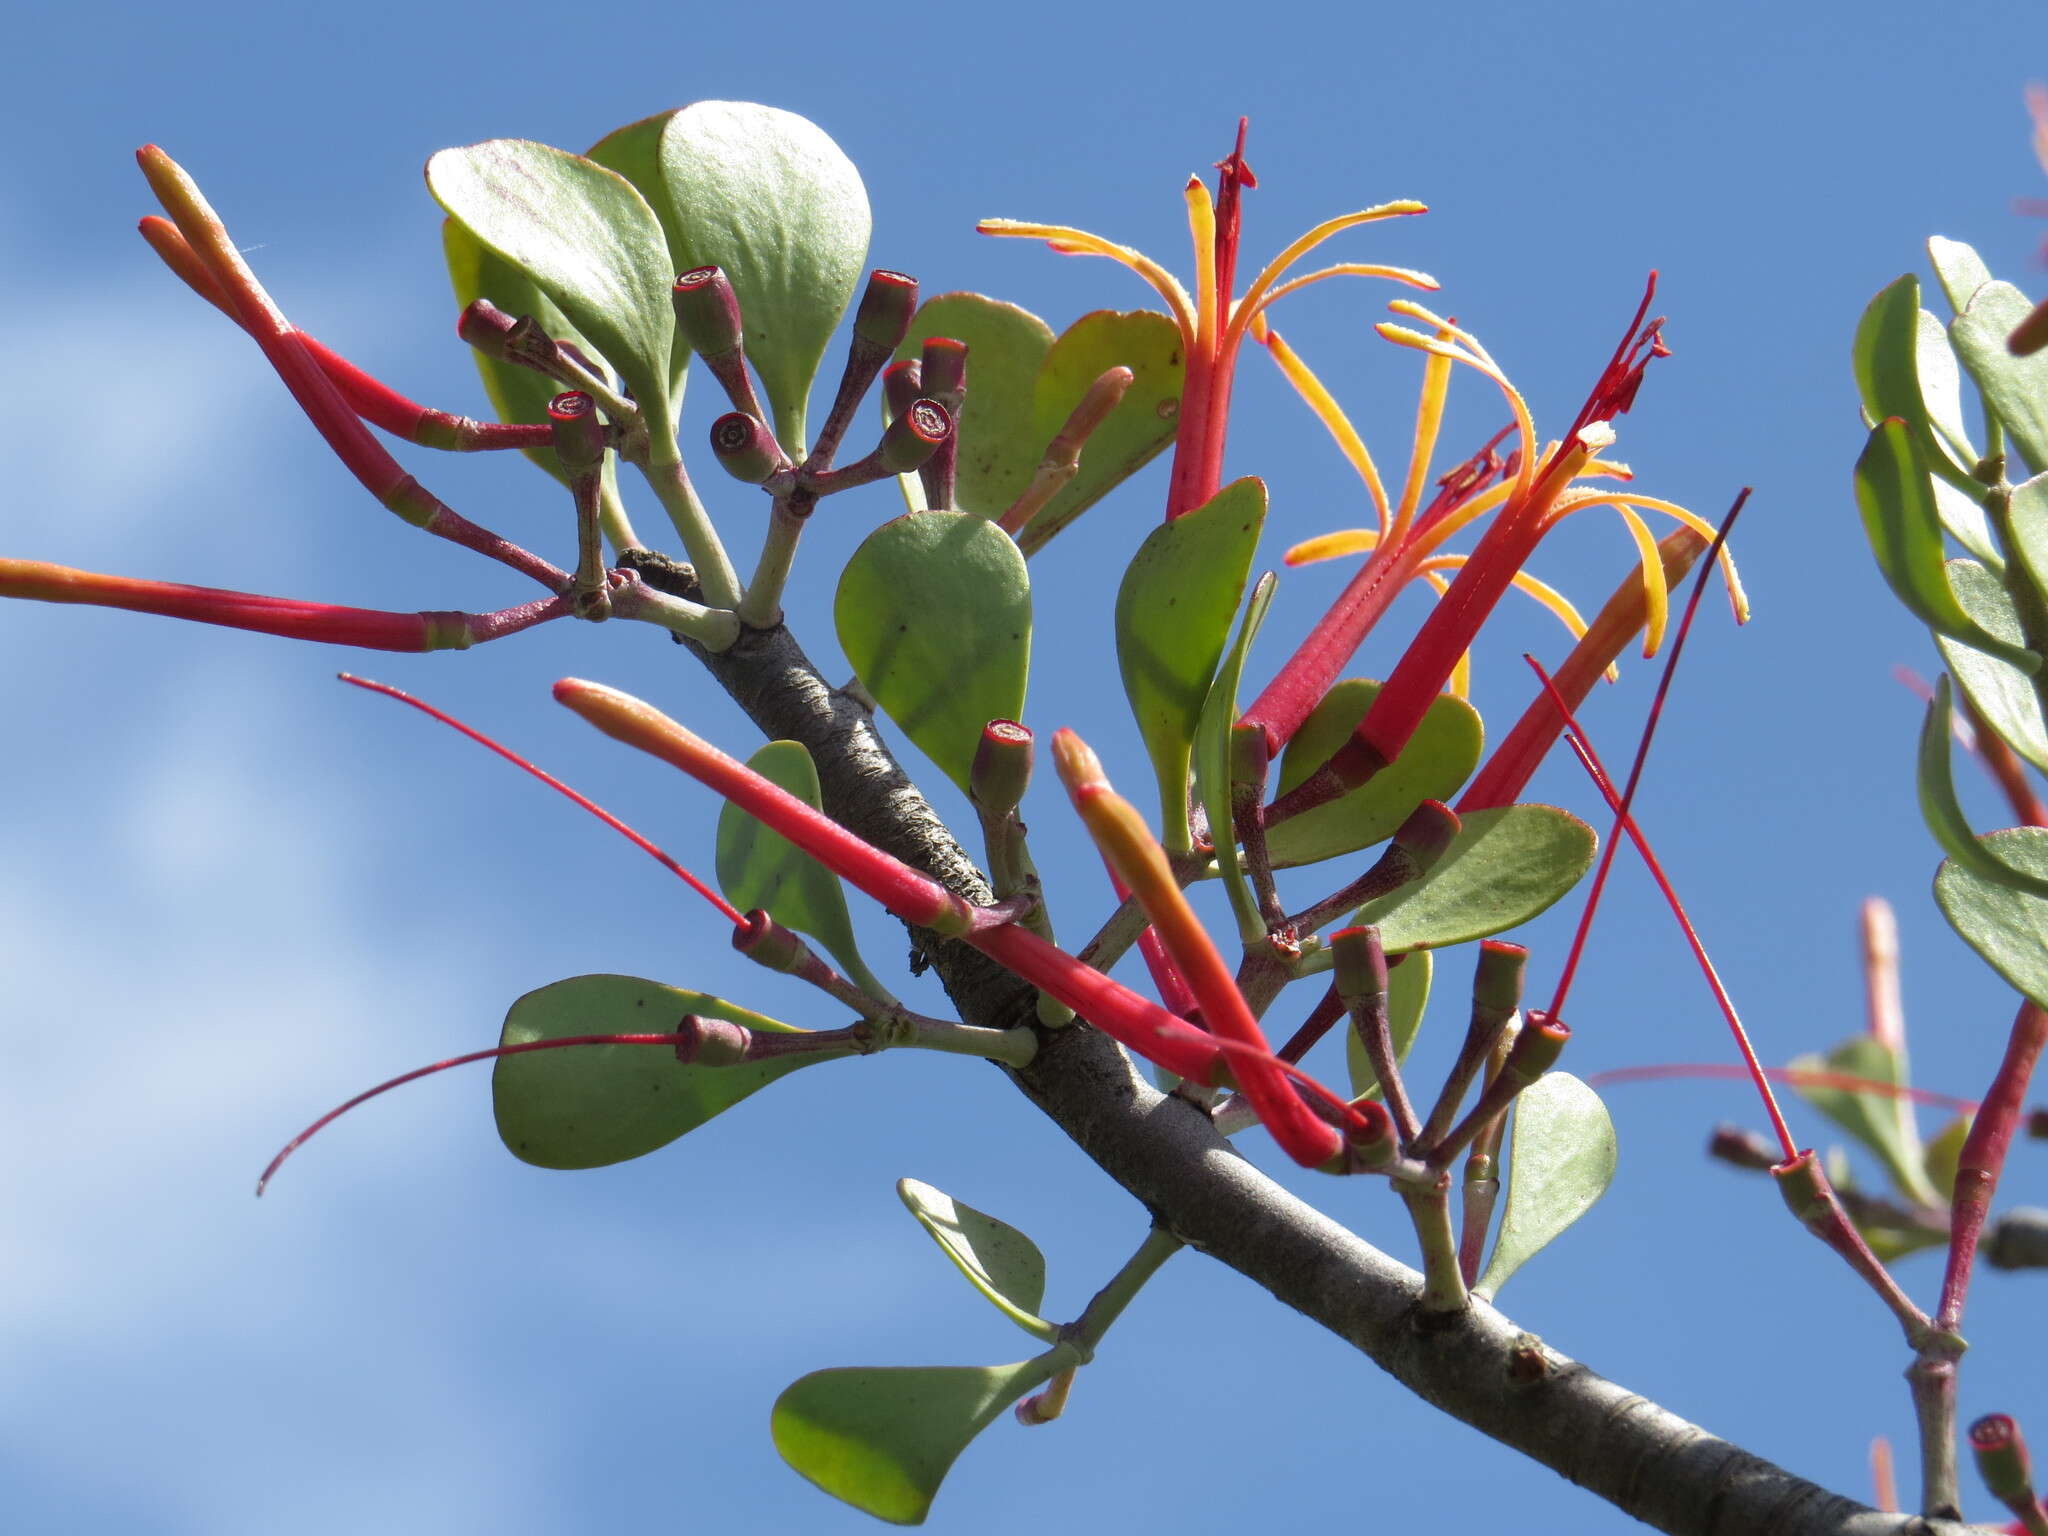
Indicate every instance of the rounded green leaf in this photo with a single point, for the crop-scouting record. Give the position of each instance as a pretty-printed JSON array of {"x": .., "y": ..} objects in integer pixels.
[
  {"x": 1438, "y": 758},
  {"x": 2015, "y": 388},
  {"x": 1882, "y": 1122},
  {"x": 1944, "y": 813},
  {"x": 882, "y": 1438},
  {"x": 634, "y": 151},
  {"x": 1173, "y": 615},
  {"x": 934, "y": 613},
  {"x": 762, "y": 868},
  {"x": 1212, "y": 761},
  {"x": 1506, "y": 865},
  {"x": 1560, "y": 1161},
  {"x": 1407, "y": 996},
  {"x": 1896, "y": 497},
  {"x": 2026, "y": 518},
  {"x": 998, "y": 449},
  {"x": 1941, "y": 390},
  {"x": 1887, "y": 356},
  {"x": 2008, "y": 928},
  {"x": 589, "y": 1105},
  {"x": 769, "y": 197},
  {"x": 1961, "y": 270},
  {"x": 2002, "y": 694},
  {"x": 1133, "y": 434},
  {"x": 1001, "y": 1262},
  {"x": 587, "y": 239}
]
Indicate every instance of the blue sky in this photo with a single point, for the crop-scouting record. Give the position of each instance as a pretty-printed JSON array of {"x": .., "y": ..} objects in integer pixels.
[{"x": 236, "y": 894}]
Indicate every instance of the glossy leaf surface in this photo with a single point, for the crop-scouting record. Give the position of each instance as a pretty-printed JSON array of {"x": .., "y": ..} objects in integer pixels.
[
  {"x": 1896, "y": 498},
  {"x": 761, "y": 868},
  {"x": 769, "y": 197},
  {"x": 1212, "y": 760},
  {"x": 2016, "y": 388},
  {"x": 1560, "y": 1161},
  {"x": 586, "y": 238},
  {"x": 1506, "y": 865},
  {"x": 1006, "y": 345},
  {"x": 1407, "y": 997},
  {"x": 1438, "y": 758},
  {"x": 934, "y": 612},
  {"x": 1173, "y": 614},
  {"x": 1944, "y": 814},
  {"x": 1001, "y": 1262},
  {"x": 589, "y": 1105},
  {"x": 1134, "y": 433},
  {"x": 1881, "y": 1122},
  {"x": 2008, "y": 928},
  {"x": 882, "y": 1438},
  {"x": 2000, "y": 692}
]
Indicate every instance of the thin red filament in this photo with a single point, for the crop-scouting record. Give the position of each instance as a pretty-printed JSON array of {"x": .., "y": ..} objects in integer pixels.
[
  {"x": 1791, "y": 1077},
  {"x": 645, "y": 845}
]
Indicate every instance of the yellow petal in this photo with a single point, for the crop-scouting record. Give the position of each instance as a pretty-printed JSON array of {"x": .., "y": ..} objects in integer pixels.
[
  {"x": 1277, "y": 267},
  {"x": 1463, "y": 349},
  {"x": 1331, "y": 415},
  {"x": 1078, "y": 242},
  {"x": 1408, "y": 275},
  {"x": 1738, "y": 599},
  {"x": 1202, "y": 226},
  {"x": 1333, "y": 546},
  {"x": 1429, "y": 418}
]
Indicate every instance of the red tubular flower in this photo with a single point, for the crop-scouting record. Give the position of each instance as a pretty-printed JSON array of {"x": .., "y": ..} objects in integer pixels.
[
  {"x": 369, "y": 628},
  {"x": 1213, "y": 322}
]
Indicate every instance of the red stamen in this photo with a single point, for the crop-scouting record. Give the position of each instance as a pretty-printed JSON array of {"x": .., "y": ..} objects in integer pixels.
[
  {"x": 645, "y": 845},
  {"x": 1615, "y": 390},
  {"x": 1791, "y": 1077}
]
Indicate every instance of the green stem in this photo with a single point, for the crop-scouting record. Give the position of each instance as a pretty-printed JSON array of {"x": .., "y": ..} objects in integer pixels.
[
  {"x": 715, "y": 573},
  {"x": 761, "y": 608},
  {"x": 1443, "y": 1281},
  {"x": 713, "y": 628},
  {"x": 1109, "y": 1302}
]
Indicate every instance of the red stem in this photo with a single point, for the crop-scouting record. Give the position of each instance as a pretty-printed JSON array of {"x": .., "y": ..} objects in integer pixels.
[{"x": 1983, "y": 1157}]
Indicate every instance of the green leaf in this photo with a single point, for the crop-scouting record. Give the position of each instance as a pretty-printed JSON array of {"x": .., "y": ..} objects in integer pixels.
[
  {"x": 1172, "y": 618},
  {"x": 1506, "y": 865},
  {"x": 1896, "y": 498},
  {"x": 1961, "y": 270},
  {"x": 882, "y": 1438},
  {"x": 1407, "y": 996},
  {"x": 2026, "y": 519},
  {"x": 516, "y": 394},
  {"x": 589, "y": 1105},
  {"x": 769, "y": 197},
  {"x": 1133, "y": 434},
  {"x": 1962, "y": 517},
  {"x": 2015, "y": 388},
  {"x": 761, "y": 868},
  {"x": 2008, "y": 928},
  {"x": 998, "y": 450},
  {"x": 634, "y": 151},
  {"x": 1001, "y": 1262},
  {"x": 1560, "y": 1161},
  {"x": 1881, "y": 1122},
  {"x": 1438, "y": 758},
  {"x": 1944, "y": 814},
  {"x": 1941, "y": 391},
  {"x": 934, "y": 612},
  {"x": 586, "y": 238},
  {"x": 2001, "y": 693},
  {"x": 1212, "y": 761},
  {"x": 1944, "y": 1156}
]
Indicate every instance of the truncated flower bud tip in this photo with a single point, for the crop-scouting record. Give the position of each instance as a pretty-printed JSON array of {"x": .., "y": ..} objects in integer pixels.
[
  {"x": 1002, "y": 766},
  {"x": 915, "y": 436},
  {"x": 578, "y": 431},
  {"x": 745, "y": 448},
  {"x": 702, "y": 1042},
  {"x": 883, "y": 318},
  {"x": 708, "y": 312}
]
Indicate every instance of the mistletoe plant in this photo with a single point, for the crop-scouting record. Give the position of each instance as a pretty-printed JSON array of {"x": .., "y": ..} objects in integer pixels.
[{"x": 1368, "y": 839}]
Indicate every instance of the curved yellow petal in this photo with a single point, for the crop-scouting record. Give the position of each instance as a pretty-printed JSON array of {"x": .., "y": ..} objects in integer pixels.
[
  {"x": 1408, "y": 275},
  {"x": 1078, "y": 242},
  {"x": 1277, "y": 267},
  {"x": 1331, "y": 415},
  {"x": 1656, "y": 593},
  {"x": 1332, "y": 546},
  {"x": 1429, "y": 420},
  {"x": 1472, "y": 357},
  {"x": 1202, "y": 226},
  {"x": 1738, "y": 599},
  {"x": 1562, "y": 607}
]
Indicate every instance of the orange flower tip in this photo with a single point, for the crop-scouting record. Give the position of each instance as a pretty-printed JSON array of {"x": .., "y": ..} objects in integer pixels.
[
  {"x": 1195, "y": 183},
  {"x": 1079, "y": 768}
]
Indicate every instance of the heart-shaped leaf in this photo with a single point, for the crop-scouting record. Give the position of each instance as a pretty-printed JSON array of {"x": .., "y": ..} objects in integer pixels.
[
  {"x": 1944, "y": 814},
  {"x": 1896, "y": 498},
  {"x": 2002, "y": 694},
  {"x": 2008, "y": 928},
  {"x": 2016, "y": 388},
  {"x": 934, "y": 612},
  {"x": 1003, "y": 1264},
  {"x": 588, "y": 240},
  {"x": 1960, "y": 268},
  {"x": 1507, "y": 864},
  {"x": 997, "y": 453},
  {"x": 761, "y": 868},
  {"x": 882, "y": 1438},
  {"x": 1133, "y": 434},
  {"x": 1560, "y": 1161},
  {"x": 1172, "y": 618},
  {"x": 1438, "y": 758},
  {"x": 769, "y": 197},
  {"x": 589, "y": 1105},
  {"x": 1882, "y": 1122},
  {"x": 1407, "y": 996},
  {"x": 1212, "y": 761}
]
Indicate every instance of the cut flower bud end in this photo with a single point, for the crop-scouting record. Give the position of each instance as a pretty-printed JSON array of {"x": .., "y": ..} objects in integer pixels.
[
  {"x": 708, "y": 312},
  {"x": 746, "y": 449},
  {"x": 766, "y": 942},
  {"x": 886, "y": 307},
  {"x": 2002, "y": 1460},
  {"x": 702, "y": 1042},
  {"x": 1002, "y": 767},
  {"x": 914, "y": 436},
  {"x": 487, "y": 328},
  {"x": 578, "y": 431}
]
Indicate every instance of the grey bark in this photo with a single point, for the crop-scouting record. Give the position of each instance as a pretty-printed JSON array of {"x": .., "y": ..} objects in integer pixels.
[{"x": 1480, "y": 1367}]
